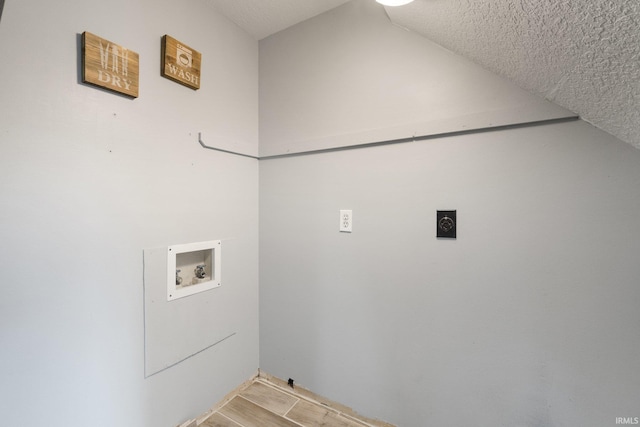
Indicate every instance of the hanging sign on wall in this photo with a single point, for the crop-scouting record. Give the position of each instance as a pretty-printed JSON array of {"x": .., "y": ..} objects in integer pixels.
[
  {"x": 109, "y": 65},
  {"x": 181, "y": 63}
]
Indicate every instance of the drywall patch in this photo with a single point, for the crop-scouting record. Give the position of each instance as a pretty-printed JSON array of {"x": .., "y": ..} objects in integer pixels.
[{"x": 182, "y": 328}]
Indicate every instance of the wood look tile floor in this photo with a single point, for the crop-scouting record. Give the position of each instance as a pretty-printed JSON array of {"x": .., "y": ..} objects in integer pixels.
[{"x": 268, "y": 402}]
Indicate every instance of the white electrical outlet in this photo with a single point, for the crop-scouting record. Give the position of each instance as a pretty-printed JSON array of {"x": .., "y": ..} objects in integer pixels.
[{"x": 346, "y": 221}]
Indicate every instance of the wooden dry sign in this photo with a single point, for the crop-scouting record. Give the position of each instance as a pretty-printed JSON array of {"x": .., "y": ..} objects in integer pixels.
[
  {"x": 180, "y": 63},
  {"x": 109, "y": 65}
]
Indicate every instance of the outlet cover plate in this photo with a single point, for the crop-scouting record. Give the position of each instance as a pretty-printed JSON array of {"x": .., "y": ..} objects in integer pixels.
[{"x": 346, "y": 220}]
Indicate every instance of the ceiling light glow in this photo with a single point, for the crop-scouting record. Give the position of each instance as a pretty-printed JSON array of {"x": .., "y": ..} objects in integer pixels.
[{"x": 394, "y": 2}]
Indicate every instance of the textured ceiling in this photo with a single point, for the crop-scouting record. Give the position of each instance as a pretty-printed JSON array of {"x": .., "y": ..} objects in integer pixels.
[{"x": 583, "y": 55}]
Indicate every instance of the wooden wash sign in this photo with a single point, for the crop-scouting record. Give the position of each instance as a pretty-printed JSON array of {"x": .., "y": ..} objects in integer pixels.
[
  {"x": 109, "y": 65},
  {"x": 181, "y": 63}
]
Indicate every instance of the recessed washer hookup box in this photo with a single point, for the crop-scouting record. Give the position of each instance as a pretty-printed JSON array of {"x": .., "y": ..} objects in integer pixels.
[{"x": 193, "y": 268}]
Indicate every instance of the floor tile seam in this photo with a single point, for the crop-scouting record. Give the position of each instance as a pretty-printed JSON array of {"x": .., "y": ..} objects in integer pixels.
[
  {"x": 355, "y": 420},
  {"x": 312, "y": 401},
  {"x": 231, "y": 419},
  {"x": 280, "y": 390},
  {"x": 269, "y": 410},
  {"x": 292, "y": 406},
  {"x": 227, "y": 398}
]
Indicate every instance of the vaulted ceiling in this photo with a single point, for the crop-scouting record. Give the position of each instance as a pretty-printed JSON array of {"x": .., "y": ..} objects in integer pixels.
[{"x": 583, "y": 55}]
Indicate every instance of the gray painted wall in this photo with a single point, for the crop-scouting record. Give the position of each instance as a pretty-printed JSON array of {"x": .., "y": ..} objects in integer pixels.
[
  {"x": 89, "y": 180},
  {"x": 529, "y": 318},
  {"x": 349, "y": 76}
]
